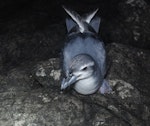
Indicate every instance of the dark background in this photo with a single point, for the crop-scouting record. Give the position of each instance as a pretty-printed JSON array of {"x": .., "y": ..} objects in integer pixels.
[{"x": 33, "y": 30}]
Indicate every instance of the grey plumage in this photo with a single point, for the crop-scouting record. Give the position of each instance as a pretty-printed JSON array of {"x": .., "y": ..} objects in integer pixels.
[{"x": 84, "y": 56}]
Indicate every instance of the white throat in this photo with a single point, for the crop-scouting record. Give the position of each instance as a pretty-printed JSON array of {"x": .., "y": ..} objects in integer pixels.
[{"x": 87, "y": 86}]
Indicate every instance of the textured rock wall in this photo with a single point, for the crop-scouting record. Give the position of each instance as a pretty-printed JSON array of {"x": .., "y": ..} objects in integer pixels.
[{"x": 30, "y": 94}]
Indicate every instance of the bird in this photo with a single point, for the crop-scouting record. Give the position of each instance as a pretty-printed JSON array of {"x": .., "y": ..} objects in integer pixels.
[{"x": 84, "y": 55}]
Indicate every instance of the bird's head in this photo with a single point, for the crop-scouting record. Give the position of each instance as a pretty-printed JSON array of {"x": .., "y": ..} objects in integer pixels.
[{"x": 81, "y": 67}]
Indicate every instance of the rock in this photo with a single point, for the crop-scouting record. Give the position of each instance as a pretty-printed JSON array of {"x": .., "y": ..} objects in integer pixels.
[
  {"x": 15, "y": 80},
  {"x": 128, "y": 24},
  {"x": 48, "y": 73},
  {"x": 135, "y": 22},
  {"x": 30, "y": 94},
  {"x": 40, "y": 107},
  {"x": 130, "y": 65},
  {"x": 1, "y": 63}
]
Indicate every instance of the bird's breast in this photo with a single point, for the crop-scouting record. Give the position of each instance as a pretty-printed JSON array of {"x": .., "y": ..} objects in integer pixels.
[{"x": 87, "y": 86}]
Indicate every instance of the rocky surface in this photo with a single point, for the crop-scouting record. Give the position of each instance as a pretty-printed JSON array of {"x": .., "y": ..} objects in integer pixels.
[
  {"x": 30, "y": 94},
  {"x": 128, "y": 23}
]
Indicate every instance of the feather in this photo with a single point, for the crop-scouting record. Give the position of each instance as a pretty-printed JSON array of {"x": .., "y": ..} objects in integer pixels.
[
  {"x": 90, "y": 16},
  {"x": 76, "y": 17}
]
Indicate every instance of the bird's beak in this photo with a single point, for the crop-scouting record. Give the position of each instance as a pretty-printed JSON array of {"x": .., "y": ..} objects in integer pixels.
[{"x": 66, "y": 82}]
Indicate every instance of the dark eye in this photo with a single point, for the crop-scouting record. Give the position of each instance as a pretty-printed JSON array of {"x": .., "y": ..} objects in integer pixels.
[
  {"x": 85, "y": 68},
  {"x": 70, "y": 74}
]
